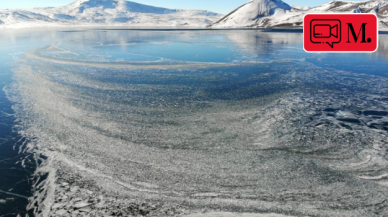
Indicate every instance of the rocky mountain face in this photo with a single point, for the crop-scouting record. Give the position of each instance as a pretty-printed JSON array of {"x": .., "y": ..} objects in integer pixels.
[
  {"x": 106, "y": 12},
  {"x": 278, "y": 14}
]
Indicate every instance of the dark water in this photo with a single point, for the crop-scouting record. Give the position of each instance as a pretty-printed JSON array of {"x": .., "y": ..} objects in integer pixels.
[
  {"x": 238, "y": 121},
  {"x": 16, "y": 168}
]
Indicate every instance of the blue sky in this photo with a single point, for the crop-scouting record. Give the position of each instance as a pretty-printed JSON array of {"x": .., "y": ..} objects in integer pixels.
[{"x": 220, "y": 6}]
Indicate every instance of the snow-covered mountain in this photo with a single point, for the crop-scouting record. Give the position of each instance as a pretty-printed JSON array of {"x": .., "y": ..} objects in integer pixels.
[
  {"x": 106, "y": 12},
  {"x": 256, "y": 13},
  {"x": 277, "y": 14},
  {"x": 253, "y": 13}
]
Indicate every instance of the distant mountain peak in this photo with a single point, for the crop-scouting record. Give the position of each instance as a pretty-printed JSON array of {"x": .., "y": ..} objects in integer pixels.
[
  {"x": 268, "y": 7},
  {"x": 253, "y": 10},
  {"x": 80, "y": 6}
]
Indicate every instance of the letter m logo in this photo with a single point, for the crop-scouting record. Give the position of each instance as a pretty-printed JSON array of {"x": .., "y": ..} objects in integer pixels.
[{"x": 356, "y": 36}]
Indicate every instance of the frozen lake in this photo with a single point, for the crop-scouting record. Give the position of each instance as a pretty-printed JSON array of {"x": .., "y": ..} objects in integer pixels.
[{"x": 184, "y": 122}]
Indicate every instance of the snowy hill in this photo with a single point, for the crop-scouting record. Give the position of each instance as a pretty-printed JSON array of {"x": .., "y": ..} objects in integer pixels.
[
  {"x": 253, "y": 12},
  {"x": 277, "y": 14},
  {"x": 80, "y": 6},
  {"x": 106, "y": 12}
]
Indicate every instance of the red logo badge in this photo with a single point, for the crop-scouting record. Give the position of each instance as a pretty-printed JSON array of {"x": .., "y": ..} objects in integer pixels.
[{"x": 340, "y": 33}]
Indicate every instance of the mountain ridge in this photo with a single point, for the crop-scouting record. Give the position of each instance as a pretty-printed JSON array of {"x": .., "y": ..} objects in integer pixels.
[
  {"x": 292, "y": 17},
  {"x": 253, "y": 14},
  {"x": 105, "y": 12}
]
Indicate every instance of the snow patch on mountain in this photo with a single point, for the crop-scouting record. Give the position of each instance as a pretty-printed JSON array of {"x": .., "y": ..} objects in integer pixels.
[{"x": 303, "y": 8}]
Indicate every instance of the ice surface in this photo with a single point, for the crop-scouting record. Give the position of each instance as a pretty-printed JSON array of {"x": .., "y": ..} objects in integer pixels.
[
  {"x": 253, "y": 136},
  {"x": 230, "y": 214}
]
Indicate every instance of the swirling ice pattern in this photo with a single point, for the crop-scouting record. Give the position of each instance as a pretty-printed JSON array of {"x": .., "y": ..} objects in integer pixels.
[{"x": 251, "y": 137}]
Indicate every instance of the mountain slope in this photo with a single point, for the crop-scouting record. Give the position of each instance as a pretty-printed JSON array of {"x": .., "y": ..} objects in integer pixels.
[
  {"x": 277, "y": 14},
  {"x": 80, "y": 6},
  {"x": 252, "y": 12},
  {"x": 106, "y": 12}
]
